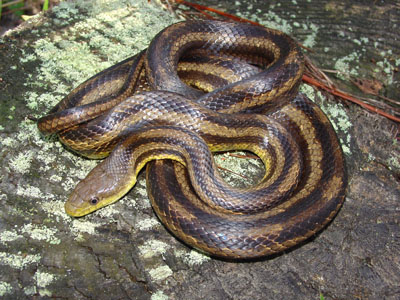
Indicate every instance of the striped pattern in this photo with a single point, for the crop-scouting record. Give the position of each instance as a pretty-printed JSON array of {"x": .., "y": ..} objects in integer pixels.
[{"x": 243, "y": 82}]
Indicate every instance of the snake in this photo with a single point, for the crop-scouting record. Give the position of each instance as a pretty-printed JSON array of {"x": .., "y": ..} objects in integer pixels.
[{"x": 205, "y": 86}]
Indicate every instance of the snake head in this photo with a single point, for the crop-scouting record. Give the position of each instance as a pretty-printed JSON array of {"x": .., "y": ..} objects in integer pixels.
[{"x": 100, "y": 188}]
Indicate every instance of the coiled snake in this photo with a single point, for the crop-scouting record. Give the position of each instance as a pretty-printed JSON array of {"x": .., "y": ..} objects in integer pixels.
[{"x": 142, "y": 113}]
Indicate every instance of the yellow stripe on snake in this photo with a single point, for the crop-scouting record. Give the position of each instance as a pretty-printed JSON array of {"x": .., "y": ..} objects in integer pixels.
[{"x": 202, "y": 87}]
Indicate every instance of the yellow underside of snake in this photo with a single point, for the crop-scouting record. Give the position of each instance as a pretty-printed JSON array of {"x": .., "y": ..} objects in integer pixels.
[{"x": 149, "y": 110}]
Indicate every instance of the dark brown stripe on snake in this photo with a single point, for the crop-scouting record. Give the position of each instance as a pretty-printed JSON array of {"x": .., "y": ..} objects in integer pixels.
[
  {"x": 312, "y": 206},
  {"x": 95, "y": 96},
  {"x": 204, "y": 176}
]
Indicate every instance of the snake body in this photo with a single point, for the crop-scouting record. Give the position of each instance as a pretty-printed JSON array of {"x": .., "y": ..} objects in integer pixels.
[{"x": 142, "y": 113}]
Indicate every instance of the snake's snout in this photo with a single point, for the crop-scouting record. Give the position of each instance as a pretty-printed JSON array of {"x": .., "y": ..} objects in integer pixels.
[{"x": 73, "y": 207}]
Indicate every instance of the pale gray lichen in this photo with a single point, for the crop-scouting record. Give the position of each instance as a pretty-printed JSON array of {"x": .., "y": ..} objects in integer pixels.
[
  {"x": 147, "y": 224},
  {"x": 273, "y": 20},
  {"x": 80, "y": 226},
  {"x": 43, "y": 279},
  {"x": 152, "y": 248},
  {"x": 159, "y": 295},
  {"x": 343, "y": 65},
  {"x": 30, "y": 290},
  {"x": 160, "y": 273},
  {"x": 387, "y": 67},
  {"x": 55, "y": 209},
  {"x": 143, "y": 201},
  {"x": 5, "y": 288},
  {"x": 8, "y": 142},
  {"x": 8, "y": 236},
  {"x": 33, "y": 192},
  {"x": 38, "y": 232},
  {"x": 393, "y": 163},
  {"x": 41, "y": 232},
  {"x": 192, "y": 258},
  {"x": 18, "y": 261},
  {"x": 21, "y": 163},
  {"x": 65, "y": 62},
  {"x": 45, "y": 292},
  {"x": 310, "y": 39}
]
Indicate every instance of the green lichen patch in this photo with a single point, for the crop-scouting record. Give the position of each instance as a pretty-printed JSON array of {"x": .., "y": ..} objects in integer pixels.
[
  {"x": 55, "y": 210},
  {"x": 310, "y": 40},
  {"x": 269, "y": 19},
  {"x": 112, "y": 35},
  {"x": 33, "y": 192}
]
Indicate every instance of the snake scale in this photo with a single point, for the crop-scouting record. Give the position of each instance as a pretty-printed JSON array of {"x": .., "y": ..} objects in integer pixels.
[{"x": 203, "y": 87}]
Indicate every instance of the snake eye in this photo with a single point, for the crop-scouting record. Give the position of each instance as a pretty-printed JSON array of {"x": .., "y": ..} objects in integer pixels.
[{"x": 94, "y": 200}]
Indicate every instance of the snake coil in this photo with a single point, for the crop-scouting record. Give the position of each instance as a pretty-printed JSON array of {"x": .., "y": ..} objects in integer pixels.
[{"x": 202, "y": 87}]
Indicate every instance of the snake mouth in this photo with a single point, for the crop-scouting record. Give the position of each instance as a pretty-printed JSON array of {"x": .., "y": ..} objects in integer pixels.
[{"x": 73, "y": 210}]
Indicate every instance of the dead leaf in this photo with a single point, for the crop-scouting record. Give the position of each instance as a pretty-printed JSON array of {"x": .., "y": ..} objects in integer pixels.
[{"x": 368, "y": 86}]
